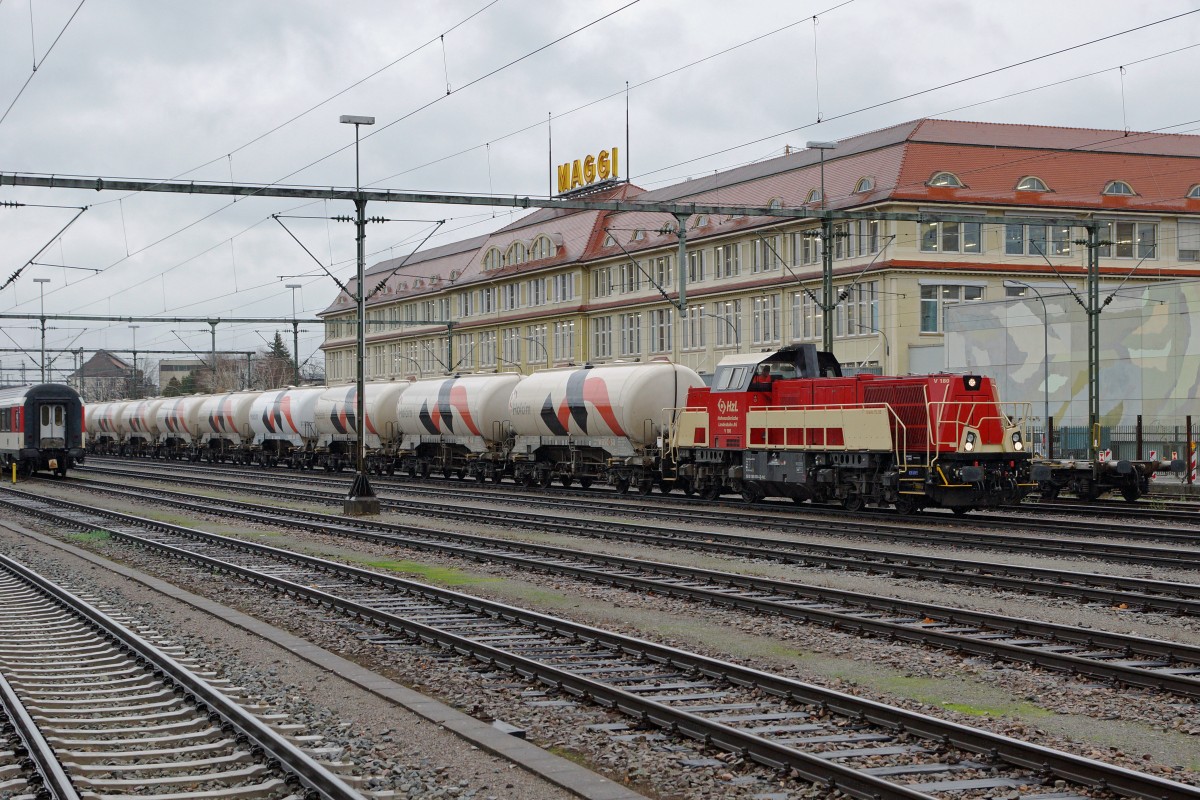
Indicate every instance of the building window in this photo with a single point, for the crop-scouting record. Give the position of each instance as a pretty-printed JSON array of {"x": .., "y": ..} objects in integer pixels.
[
  {"x": 766, "y": 255},
  {"x": 487, "y": 300},
  {"x": 693, "y": 328},
  {"x": 660, "y": 330},
  {"x": 536, "y": 335},
  {"x": 727, "y": 325},
  {"x": 1131, "y": 240},
  {"x": 487, "y": 350},
  {"x": 695, "y": 266},
  {"x": 1032, "y": 183},
  {"x": 660, "y": 269},
  {"x": 631, "y": 334},
  {"x": 948, "y": 179},
  {"x": 858, "y": 310},
  {"x": 464, "y": 345},
  {"x": 1194, "y": 192},
  {"x": 806, "y": 247},
  {"x": 951, "y": 237},
  {"x": 1189, "y": 240},
  {"x": 631, "y": 277},
  {"x": 536, "y": 292},
  {"x": 492, "y": 259},
  {"x": 602, "y": 337},
  {"x": 728, "y": 262},
  {"x": 602, "y": 282},
  {"x": 466, "y": 304},
  {"x": 934, "y": 300},
  {"x": 864, "y": 185},
  {"x": 1037, "y": 240},
  {"x": 516, "y": 254},
  {"x": 1119, "y": 189},
  {"x": 510, "y": 296},
  {"x": 542, "y": 248},
  {"x": 564, "y": 340},
  {"x": 813, "y": 197},
  {"x": 807, "y": 317},
  {"x": 764, "y": 319},
  {"x": 563, "y": 287},
  {"x": 510, "y": 343}
]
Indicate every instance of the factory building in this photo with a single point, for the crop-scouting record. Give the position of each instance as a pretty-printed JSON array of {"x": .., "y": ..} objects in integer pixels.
[{"x": 560, "y": 287}]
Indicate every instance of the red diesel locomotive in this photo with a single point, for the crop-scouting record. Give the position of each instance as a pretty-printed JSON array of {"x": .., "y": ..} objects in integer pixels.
[{"x": 789, "y": 424}]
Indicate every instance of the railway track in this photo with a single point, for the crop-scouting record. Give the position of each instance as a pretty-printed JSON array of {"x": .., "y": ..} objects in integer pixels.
[
  {"x": 932, "y": 529},
  {"x": 101, "y": 711},
  {"x": 859, "y": 747}
]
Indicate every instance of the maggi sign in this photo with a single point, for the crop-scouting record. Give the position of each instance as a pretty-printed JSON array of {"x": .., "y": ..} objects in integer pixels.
[{"x": 578, "y": 173}]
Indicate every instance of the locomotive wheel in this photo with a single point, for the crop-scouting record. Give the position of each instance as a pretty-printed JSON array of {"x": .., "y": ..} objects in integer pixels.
[
  {"x": 906, "y": 505},
  {"x": 665, "y": 486},
  {"x": 751, "y": 494},
  {"x": 853, "y": 502},
  {"x": 688, "y": 487},
  {"x": 711, "y": 492}
]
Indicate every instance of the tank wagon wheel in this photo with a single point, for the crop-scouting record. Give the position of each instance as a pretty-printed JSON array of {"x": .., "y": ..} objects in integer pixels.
[
  {"x": 566, "y": 481},
  {"x": 645, "y": 487},
  {"x": 545, "y": 479},
  {"x": 1050, "y": 492},
  {"x": 528, "y": 480},
  {"x": 585, "y": 483},
  {"x": 447, "y": 472},
  {"x": 497, "y": 476},
  {"x": 960, "y": 511},
  {"x": 665, "y": 486},
  {"x": 621, "y": 485}
]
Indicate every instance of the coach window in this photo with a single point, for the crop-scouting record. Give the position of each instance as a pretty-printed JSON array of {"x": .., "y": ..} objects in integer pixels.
[{"x": 4, "y": 421}]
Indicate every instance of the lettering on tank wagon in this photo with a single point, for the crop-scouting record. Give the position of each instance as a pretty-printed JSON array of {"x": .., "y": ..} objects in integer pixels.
[
  {"x": 451, "y": 397},
  {"x": 586, "y": 171},
  {"x": 583, "y": 387}
]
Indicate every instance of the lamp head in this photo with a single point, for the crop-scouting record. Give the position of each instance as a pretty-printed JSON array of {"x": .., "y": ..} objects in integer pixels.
[
  {"x": 353, "y": 119},
  {"x": 821, "y": 145}
]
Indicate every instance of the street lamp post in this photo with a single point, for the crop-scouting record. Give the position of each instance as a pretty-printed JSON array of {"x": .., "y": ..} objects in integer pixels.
[
  {"x": 295, "y": 335},
  {"x": 1045, "y": 365},
  {"x": 136, "y": 382},
  {"x": 361, "y": 500},
  {"x": 41, "y": 282},
  {"x": 828, "y": 303}
]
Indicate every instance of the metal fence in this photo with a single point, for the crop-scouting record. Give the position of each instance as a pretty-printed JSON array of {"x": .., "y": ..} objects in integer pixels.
[{"x": 1136, "y": 442}]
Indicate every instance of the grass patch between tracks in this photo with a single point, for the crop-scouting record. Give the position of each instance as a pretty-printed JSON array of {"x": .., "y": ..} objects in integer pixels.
[
  {"x": 89, "y": 536},
  {"x": 442, "y": 576}
]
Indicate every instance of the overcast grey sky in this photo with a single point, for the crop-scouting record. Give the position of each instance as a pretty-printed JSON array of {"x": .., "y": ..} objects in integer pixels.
[{"x": 251, "y": 91}]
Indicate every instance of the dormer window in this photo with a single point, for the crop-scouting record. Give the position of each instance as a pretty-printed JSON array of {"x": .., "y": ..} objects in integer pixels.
[
  {"x": 702, "y": 221},
  {"x": 776, "y": 202},
  {"x": 1194, "y": 192},
  {"x": 864, "y": 185},
  {"x": 638, "y": 235},
  {"x": 492, "y": 259},
  {"x": 516, "y": 253},
  {"x": 945, "y": 179},
  {"x": 1032, "y": 183},
  {"x": 1119, "y": 189},
  {"x": 542, "y": 248},
  {"x": 609, "y": 241},
  {"x": 814, "y": 196}
]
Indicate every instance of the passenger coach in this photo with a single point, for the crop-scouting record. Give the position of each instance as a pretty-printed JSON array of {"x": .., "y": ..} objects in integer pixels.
[{"x": 41, "y": 428}]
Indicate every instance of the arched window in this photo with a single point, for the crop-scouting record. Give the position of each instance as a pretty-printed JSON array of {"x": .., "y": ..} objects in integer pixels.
[
  {"x": 638, "y": 235},
  {"x": 947, "y": 179},
  {"x": 1119, "y": 188},
  {"x": 776, "y": 202},
  {"x": 1032, "y": 183},
  {"x": 864, "y": 185},
  {"x": 702, "y": 221},
  {"x": 492, "y": 259},
  {"x": 542, "y": 248},
  {"x": 609, "y": 241},
  {"x": 516, "y": 253},
  {"x": 1194, "y": 192},
  {"x": 814, "y": 196}
]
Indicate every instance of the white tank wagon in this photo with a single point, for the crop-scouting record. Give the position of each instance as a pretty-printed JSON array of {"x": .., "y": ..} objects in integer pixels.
[
  {"x": 101, "y": 427},
  {"x": 141, "y": 418},
  {"x": 597, "y": 423},
  {"x": 178, "y": 421},
  {"x": 457, "y": 425},
  {"x": 224, "y": 427},
  {"x": 337, "y": 432},
  {"x": 283, "y": 422}
]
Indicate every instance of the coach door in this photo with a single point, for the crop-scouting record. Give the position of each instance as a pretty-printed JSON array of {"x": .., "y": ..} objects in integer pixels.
[{"x": 53, "y": 433}]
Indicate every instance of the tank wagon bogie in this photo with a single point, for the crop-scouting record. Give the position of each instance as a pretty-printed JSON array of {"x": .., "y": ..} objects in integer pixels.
[
  {"x": 41, "y": 429},
  {"x": 789, "y": 424}
]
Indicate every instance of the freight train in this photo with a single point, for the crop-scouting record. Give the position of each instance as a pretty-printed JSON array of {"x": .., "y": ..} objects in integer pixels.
[
  {"x": 41, "y": 429},
  {"x": 783, "y": 424}
]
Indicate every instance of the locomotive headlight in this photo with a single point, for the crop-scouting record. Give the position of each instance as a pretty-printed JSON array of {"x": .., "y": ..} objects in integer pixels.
[
  {"x": 1018, "y": 445},
  {"x": 969, "y": 441}
]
